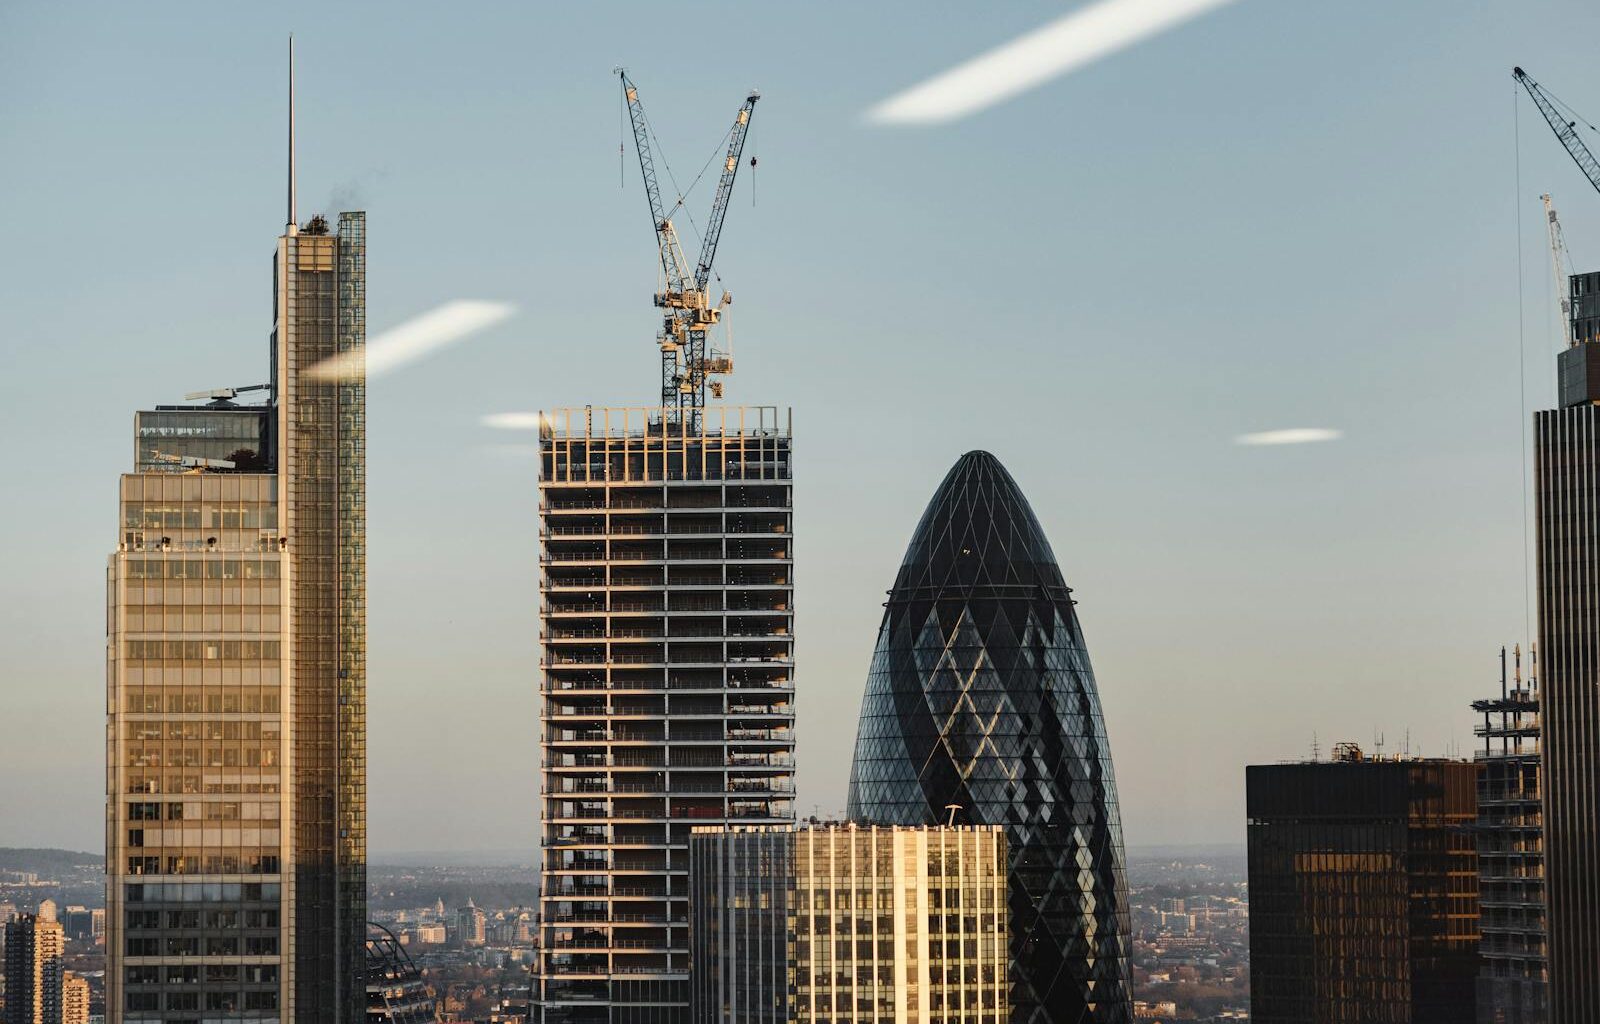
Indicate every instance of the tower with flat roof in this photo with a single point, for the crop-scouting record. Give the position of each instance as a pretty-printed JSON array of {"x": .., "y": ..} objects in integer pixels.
[
  {"x": 236, "y": 675},
  {"x": 1363, "y": 890},
  {"x": 666, "y": 630},
  {"x": 1566, "y": 451},
  {"x": 667, "y": 677}
]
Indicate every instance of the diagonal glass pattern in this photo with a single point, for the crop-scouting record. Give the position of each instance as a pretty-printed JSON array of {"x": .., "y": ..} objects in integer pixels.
[{"x": 980, "y": 694}]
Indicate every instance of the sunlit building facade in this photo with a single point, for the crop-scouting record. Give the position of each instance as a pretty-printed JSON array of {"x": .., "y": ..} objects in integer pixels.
[
  {"x": 74, "y": 998},
  {"x": 981, "y": 705},
  {"x": 236, "y": 674},
  {"x": 1363, "y": 891},
  {"x": 667, "y": 685},
  {"x": 35, "y": 945},
  {"x": 839, "y": 922}
]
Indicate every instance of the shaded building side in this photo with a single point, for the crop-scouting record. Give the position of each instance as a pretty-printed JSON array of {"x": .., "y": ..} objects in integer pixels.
[{"x": 1363, "y": 891}]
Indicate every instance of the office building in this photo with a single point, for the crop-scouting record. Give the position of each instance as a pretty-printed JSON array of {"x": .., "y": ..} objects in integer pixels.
[
  {"x": 1512, "y": 966},
  {"x": 236, "y": 675},
  {"x": 1363, "y": 890},
  {"x": 667, "y": 684},
  {"x": 34, "y": 946},
  {"x": 891, "y": 925},
  {"x": 981, "y": 708},
  {"x": 74, "y": 999},
  {"x": 1566, "y": 508}
]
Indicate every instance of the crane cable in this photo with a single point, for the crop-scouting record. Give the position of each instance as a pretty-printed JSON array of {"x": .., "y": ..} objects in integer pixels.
[
  {"x": 1522, "y": 359},
  {"x": 683, "y": 194}
]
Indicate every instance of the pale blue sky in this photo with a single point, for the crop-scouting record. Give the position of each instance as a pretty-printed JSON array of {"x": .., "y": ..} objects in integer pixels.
[{"x": 1279, "y": 215}]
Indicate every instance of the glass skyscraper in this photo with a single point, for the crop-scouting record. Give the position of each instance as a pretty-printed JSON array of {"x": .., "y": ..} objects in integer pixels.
[
  {"x": 981, "y": 705},
  {"x": 236, "y": 678},
  {"x": 1567, "y": 507},
  {"x": 667, "y": 685}
]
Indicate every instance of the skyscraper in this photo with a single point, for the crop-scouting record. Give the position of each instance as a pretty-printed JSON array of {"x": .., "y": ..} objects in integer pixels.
[
  {"x": 1567, "y": 506},
  {"x": 34, "y": 946},
  {"x": 236, "y": 676},
  {"x": 667, "y": 681},
  {"x": 1363, "y": 890},
  {"x": 1511, "y": 948},
  {"x": 981, "y": 705},
  {"x": 843, "y": 922}
]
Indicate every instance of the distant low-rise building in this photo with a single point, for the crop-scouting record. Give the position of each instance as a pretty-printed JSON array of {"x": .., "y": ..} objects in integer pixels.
[{"x": 429, "y": 933}]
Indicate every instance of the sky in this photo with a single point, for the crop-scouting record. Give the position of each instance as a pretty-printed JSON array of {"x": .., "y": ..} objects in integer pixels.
[{"x": 1272, "y": 216}]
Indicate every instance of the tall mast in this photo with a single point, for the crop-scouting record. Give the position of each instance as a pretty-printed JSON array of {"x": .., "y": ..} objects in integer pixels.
[{"x": 292, "y": 225}]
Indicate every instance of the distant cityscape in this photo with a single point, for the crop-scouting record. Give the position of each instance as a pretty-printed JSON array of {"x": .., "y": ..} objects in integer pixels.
[{"x": 1190, "y": 913}]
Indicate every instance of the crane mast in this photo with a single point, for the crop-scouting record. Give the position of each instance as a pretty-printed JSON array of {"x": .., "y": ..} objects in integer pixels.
[
  {"x": 1566, "y": 131},
  {"x": 1558, "y": 245},
  {"x": 686, "y": 365}
]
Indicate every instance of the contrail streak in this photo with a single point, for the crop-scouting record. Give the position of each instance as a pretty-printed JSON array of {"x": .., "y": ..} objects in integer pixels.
[
  {"x": 1066, "y": 44},
  {"x": 414, "y": 339},
  {"x": 1294, "y": 435},
  {"x": 511, "y": 420}
]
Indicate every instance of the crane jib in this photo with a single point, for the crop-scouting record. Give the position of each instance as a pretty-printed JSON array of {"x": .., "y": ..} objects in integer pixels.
[{"x": 685, "y": 363}]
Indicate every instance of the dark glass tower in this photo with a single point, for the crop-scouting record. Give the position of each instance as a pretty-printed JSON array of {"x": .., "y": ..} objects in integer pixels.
[
  {"x": 980, "y": 695},
  {"x": 1363, "y": 890},
  {"x": 1566, "y": 453}
]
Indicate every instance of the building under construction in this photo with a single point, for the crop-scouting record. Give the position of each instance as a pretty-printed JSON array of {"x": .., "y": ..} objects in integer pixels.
[
  {"x": 1512, "y": 970},
  {"x": 667, "y": 640}
]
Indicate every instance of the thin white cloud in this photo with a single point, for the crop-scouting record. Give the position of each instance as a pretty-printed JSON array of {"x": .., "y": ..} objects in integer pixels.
[
  {"x": 1293, "y": 435},
  {"x": 416, "y": 338},
  {"x": 1066, "y": 44},
  {"x": 511, "y": 420}
]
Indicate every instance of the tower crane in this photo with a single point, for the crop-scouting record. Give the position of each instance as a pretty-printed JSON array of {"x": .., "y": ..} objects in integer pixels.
[
  {"x": 686, "y": 366},
  {"x": 1558, "y": 246},
  {"x": 1566, "y": 131}
]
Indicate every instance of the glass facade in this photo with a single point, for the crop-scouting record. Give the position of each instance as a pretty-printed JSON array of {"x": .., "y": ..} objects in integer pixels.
[
  {"x": 1566, "y": 455},
  {"x": 846, "y": 923},
  {"x": 196, "y": 750},
  {"x": 320, "y": 448},
  {"x": 667, "y": 685},
  {"x": 981, "y": 702},
  {"x": 1363, "y": 891},
  {"x": 397, "y": 993},
  {"x": 235, "y": 814}
]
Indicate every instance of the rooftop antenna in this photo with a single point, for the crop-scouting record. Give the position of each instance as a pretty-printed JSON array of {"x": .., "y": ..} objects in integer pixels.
[
  {"x": 292, "y": 227},
  {"x": 1316, "y": 749},
  {"x": 952, "y": 808}
]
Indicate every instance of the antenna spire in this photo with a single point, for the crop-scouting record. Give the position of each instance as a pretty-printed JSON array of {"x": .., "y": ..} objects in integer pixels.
[{"x": 293, "y": 222}]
